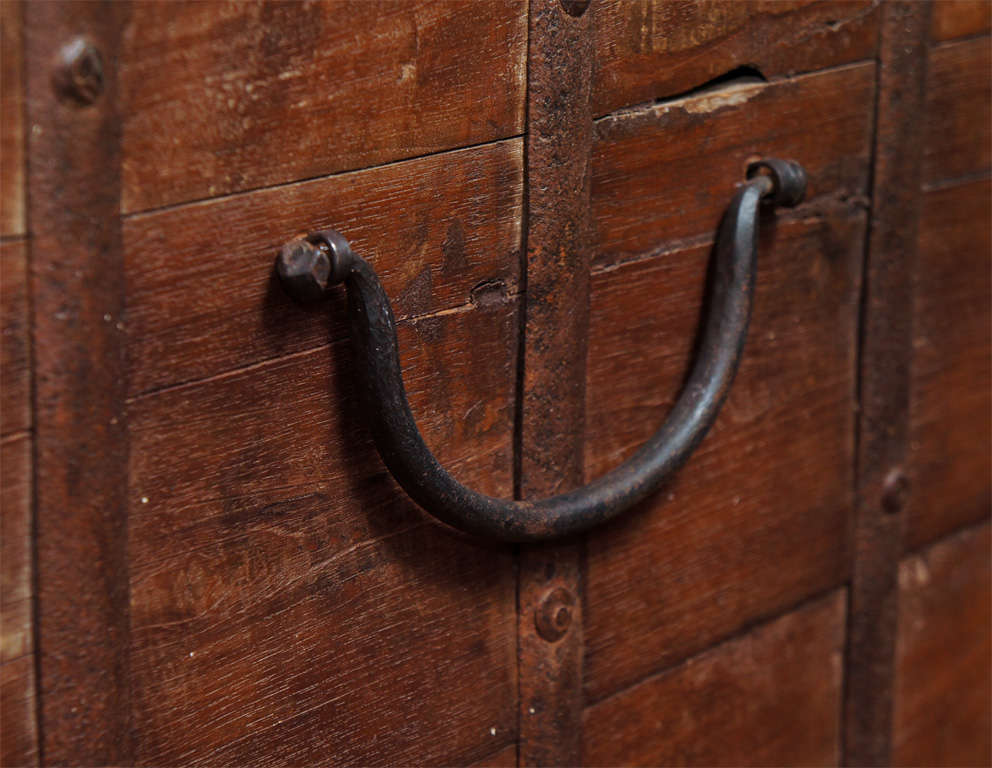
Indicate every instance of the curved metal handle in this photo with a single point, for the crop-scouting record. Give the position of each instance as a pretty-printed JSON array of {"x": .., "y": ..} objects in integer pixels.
[{"x": 308, "y": 266}]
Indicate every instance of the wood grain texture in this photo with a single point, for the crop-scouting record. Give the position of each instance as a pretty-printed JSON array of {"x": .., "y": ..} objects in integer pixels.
[
  {"x": 951, "y": 430},
  {"x": 958, "y": 140},
  {"x": 770, "y": 697},
  {"x": 647, "y": 50},
  {"x": 289, "y": 602},
  {"x": 961, "y": 18},
  {"x": 15, "y": 338},
  {"x": 758, "y": 518},
  {"x": 18, "y": 718},
  {"x": 666, "y": 173},
  {"x": 884, "y": 362},
  {"x": 220, "y": 98},
  {"x": 12, "y": 192},
  {"x": 504, "y": 758},
  {"x": 77, "y": 298},
  {"x": 943, "y": 705},
  {"x": 441, "y": 232}
]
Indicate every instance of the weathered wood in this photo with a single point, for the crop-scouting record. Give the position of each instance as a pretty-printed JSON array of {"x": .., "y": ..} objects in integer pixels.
[
  {"x": 958, "y": 140},
  {"x": 12, "y": 193},
  {"x": 77, "y": 299},
  {"x": 943, "y": 704},
  {"x": 552, "y": 391},
  {"x": 885, "y": 357},
  {"x": 647, "y": 50},
  {"x": 951, "y": 429},
  {"x": 505, "y": 758},
  {"x": 666, "y": 172},
  {"x": 442, "y": 232},
  {"x": 770, "y": 697},
  {"x": 961, "y": 18},
  {"x": 15, "y": 344},
  {"x": 757, "y": 520},
  {"x": 289, "y": 603},
  {"x": 18, "y": 718},
  {"x": 219, "y": 98}
]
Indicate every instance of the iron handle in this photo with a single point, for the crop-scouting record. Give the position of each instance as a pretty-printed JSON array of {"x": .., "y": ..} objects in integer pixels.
[{"x": 307, "y": 267}]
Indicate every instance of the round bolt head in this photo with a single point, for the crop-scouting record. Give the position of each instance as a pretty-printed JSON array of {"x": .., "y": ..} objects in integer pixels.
[
  {"x": 303, "y": 269},
  {"x": 78, "y": 75},
  {"x": 554, "y": 615}
]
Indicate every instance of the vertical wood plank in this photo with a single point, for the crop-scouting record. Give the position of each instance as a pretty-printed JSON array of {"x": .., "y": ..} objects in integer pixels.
[
  {"x": 11, "y": 121},
  {"x": 885, "y": 357},
  {"x": 77, "y": 299},
  {"x": 552, "y": 398}
]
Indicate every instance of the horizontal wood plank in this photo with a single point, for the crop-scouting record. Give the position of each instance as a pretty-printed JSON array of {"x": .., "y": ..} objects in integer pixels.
[
  {"x": 666, "y": 173},
  {"x": 289, "y": 602},
  {"x": 202, "y": 293},
  {"x": 758, "y": 518},
  {"x": 960, "y": 18},
  {"x": 647, "y": 50},
  {"x": 943, "y": 701},
  {"x": 951, "y": 404},
  {"x": 959, "y": 111},
  {"x": 218, "y": 98},
  {"x": 15, "y": 338},
  {"x": 770, "y": 697},
  {"x": 12, "y": 194}
]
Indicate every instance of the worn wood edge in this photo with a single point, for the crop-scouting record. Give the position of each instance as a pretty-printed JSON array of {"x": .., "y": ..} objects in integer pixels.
[
  {"x": 884, "y": 362},
  {"x": 12, "y": 173},
  {"x": 80, "y": 455},
  {"x": 551, "y": 393}
]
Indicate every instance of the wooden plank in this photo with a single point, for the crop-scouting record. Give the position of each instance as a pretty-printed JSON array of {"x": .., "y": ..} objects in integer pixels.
[
  {"x": 943, "y": 705},
  {"x": 951, "y": 429},
  {"x": 958, "y": 141},
  {"x": 442, "y": 231},
  {"x": 758, "y": 518},
  {"x": 961, "y": 18},
  {"x": 77, "y": 296},
  {"x": 15, "y": 338},
  {"x": 18, "y": 718},
  {"x": 12, "y": 214},
  {"x": 770, "y": 697},
  {"x": 552, "y": 392},
  {"x": 885, "y": 355},
  {"x": 505, "y": 758},
  {"x": 664, "y": 173},
  {"x": 289, "y": 603},
  {"x": 647, "y": 50},
  {"x": 225, "y": 97}
]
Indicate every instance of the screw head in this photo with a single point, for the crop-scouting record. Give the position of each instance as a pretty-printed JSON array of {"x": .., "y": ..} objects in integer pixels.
[
  {"x": 78, "y": 75},
  {"x": 895, "y": 491},
  {"x": 304, "y": 269},
  {"x": 554, "y": 615}
]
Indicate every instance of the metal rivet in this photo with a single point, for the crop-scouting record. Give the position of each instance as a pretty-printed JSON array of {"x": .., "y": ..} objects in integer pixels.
[
  {"x": 895, "y": 489},
  {"x": 574, "y": 7},
  {"x": 554, "y": 615},
  {"x": 78, "y": 76}
]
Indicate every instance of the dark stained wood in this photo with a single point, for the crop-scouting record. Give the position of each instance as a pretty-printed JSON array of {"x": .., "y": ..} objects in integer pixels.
[
  {"x": 770, "y": 697},
  {"x": 943, "y": 705},
  {"x": 220, "y": 98},
  {"x": 758, "y": 518},
  {"x": 505, "y": 758},
  {"x": 442, "y": 232},
  {"x": 959, "y": 111},
  {"x": 77, "y": 298},
  {"x": 289, "y": 603},
  {"x": 961, "y": 18},
  {"x": 12, "y": 193},
  {"x": 18, "y": 718},
  {"x": 15, "y": 344},
  {"x": 648, "y": 50},
  {"x": 666, "y": 172},
  {"x": 885, "y": 357},
  {"x": 552, "y": 392},
  {"x": 951, "y": 434}
]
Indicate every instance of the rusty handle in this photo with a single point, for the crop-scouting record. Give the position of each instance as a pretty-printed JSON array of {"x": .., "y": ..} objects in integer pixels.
[{"x": 308, "y": 267}]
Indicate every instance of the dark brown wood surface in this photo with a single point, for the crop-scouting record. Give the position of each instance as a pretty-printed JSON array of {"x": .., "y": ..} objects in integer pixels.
[
  {"x": 15, "y": 340},
  {"x": 12, "y": 221},
  {"x": 647, "y": 50},
  {"x": 961, "y": 18},
  {"x": 221, "y": 98},
  {"x": 769, "y": 697},
  {"x": 943, "y": 703}
]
